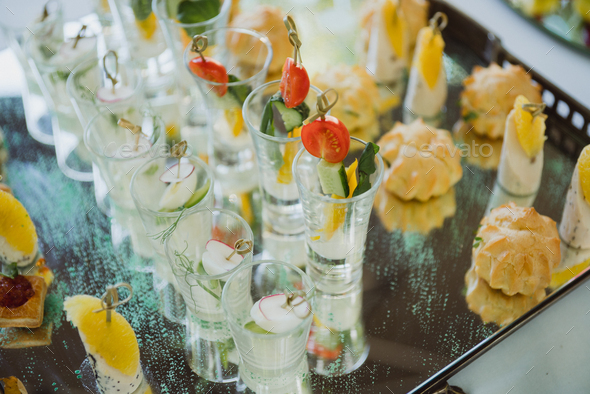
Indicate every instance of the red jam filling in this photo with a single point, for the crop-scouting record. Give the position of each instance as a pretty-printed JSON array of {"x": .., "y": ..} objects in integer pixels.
[{"x": 15, "y": 292}]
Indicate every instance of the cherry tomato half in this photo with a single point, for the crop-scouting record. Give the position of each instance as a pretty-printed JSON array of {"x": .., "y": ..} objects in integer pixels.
[
  {"x": 210, "y": 70},
  {"x": 326, "y": 138},
  {"x": 294, "y": 83}
]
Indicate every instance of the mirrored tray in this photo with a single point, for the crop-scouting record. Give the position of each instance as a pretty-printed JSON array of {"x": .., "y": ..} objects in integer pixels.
[
  {"x": 568, "y": 20},
  {"x": 414, "y": 312}
]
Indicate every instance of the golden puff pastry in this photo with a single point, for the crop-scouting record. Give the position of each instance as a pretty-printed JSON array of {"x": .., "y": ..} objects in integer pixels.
[
  {"x": 424, "y": 161},
  {"x": 358, "y": 97},
  {"x": 269, "y": 21},
  {"x": 417, "y": 216},
  {"x": 489, "y": 96},
  {"x": 493, "y": 306},
  {"x": 516, "y": 249}
]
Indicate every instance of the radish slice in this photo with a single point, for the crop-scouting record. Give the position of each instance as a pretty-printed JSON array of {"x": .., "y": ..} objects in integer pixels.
[
  {"x": 171, "y": 174},
  {"x": 68, "y": 54},
  {"x": 214, "y": 258},
  {"x": 176, "y": 194},
  {"x": 268, "y": 313},
  {"x": 106, "y": 95}
]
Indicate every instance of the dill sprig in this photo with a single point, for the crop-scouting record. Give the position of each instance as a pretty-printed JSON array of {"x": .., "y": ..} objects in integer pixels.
[{"x": 166, "y": 233}]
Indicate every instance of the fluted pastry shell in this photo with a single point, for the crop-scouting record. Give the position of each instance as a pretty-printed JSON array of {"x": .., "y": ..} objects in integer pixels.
[
  {"x": 421, "y": 217},
  {"x": 493, "y": 306},
  {"x": 268, "y": 21},
  {"x": 516, "y": 249},
  {"x": 424, "y": 161},
  {"x": 358, "y": 95},
  {"x": 489, "y": 95}
]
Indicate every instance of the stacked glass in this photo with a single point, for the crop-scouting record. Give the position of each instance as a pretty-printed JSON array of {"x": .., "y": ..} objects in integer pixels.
[
  {"x": 336, "y": 229},
  {"x": 210, "y": 347},
  {"x": 52, "y": 62},
  {"x": 47, "y": 26},
  {"x": 269, "y": 362}
]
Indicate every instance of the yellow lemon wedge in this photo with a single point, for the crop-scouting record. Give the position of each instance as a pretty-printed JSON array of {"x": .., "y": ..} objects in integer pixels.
[
  {"x": 13, "y": 385},
  {"x": 560, "y": 278},
  {"x": 584, "y": 172},
  {"x": 148, "y": 26},
  {"x": 16, "y": 227},
  {"x": 285, "y": 175},
  {"x": 431, "y": 55},
  {"x": 395, "y": 25},
  {"x": 336, "y": 213},
  {"x": 115, "y": 341},
  {"x": 235, "y": 120},
  {"x": 246, "y": 208},
  {"x": 530, "y": 131}
]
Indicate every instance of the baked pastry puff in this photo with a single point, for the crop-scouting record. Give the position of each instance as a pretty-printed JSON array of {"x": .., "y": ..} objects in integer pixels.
[
  {"x": 421, "y": 217},
  {"x": 269, "y": 21},
  {"x": 489, "y": 96},
  {"x": 358, "y": 97},
  {"x": 424, "y": 161},
  {"x": 516, "y": 249},
  {"x": 493, "y": 306}
]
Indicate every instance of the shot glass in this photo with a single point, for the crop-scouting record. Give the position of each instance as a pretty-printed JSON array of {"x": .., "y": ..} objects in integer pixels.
[
  {"x": 90, "y": 90},
  {"x": 269, "y": 362},
  {"x": 52, "y": 63},
  {"x": 336, "y": 229},
  {"x": 147, "y": 191},
  {"x": 116, "y": 152},
  {"x": 246, "y": 55},
  {"x": 282, "y": 213},
  {"x": 337, "y": 343},
  {"x": 46, "y": 23},
  {"x": 210, "y": 347}
]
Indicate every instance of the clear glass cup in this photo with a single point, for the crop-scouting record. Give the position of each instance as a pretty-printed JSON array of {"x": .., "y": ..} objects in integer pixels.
[
  {"x": 146, "y": 191},
  {"x": 246, "y": 54},
  {"x": 210, "y": 348},
  {"x": 281, "y": 208},
  {"x": 52, "y": 62},
  {"x": 144, "y": 42},
  {"x": 337, "y": 343},
  {"x": 17, "y": 27},
  {"x": 336, "y": 229},
  {"x": 269, "y": 362},
  {"x": 89, "y": 79}
]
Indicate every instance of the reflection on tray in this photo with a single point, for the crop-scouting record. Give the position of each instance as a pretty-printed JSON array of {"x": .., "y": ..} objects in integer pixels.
[
  {"x": 483, "y": 152},
  {"x": 421, "y": 217}
]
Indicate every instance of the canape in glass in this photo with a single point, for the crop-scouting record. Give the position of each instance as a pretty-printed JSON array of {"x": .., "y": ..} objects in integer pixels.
[
  {"x": 191, "y": 248},
  {"x": 231, "y": 152},
  {"x": 46, "y": 23},
  {"x": 157, "y": 215},
  {"x": 52, "y": 62},
  {"x": 273, "y": 357},
  {"x": 118, "y": 151},
  {"x": 335, "y": 229}
]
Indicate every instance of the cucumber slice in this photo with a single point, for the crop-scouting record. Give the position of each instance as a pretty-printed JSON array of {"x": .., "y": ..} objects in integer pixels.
[
  {"x": 252, "y": 326},
  {"x": 333, "y": 178},
  {"x": 198, "y": 195},
  {"x": 290, "y": 116}
]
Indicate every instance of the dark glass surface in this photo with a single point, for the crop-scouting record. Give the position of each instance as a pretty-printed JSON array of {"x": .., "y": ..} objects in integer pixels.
[{"x": 415, "y": 314}]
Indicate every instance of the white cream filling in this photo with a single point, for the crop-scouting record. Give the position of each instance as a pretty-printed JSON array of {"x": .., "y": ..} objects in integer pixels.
[
  {"x": 10, "y": 255},
  {"x": 111, "y": 380},
  {"x": 518, "y": 173},
  {"x": 422, "y": 100},
  {"x": 574, "y": 228},
  {"x": 382, "y": 62}
]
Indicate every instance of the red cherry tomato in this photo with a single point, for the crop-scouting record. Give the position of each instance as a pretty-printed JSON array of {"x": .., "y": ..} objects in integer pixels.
[
  {"x": 326, "y": 138},
  {"x": 210, "y": 70},
  {"x": 294, "y": 83}
]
